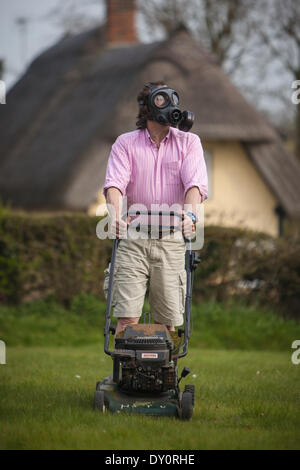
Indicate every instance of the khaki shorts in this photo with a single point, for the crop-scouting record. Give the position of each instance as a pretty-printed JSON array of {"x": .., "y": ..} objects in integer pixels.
[{"x": 157, "y": 264}]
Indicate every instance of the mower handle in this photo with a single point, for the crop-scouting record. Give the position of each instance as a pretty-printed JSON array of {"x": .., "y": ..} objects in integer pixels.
[{"x": 191, "y": 261}]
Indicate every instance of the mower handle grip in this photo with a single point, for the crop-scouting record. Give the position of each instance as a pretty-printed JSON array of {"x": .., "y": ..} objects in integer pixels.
[
  {"x": 149, "y": 226},
  {"x": 138, "y": 212}
]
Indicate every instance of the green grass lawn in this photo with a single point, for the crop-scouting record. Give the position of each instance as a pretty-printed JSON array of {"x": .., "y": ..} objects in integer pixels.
[
  {"x": 244, "y": 400},
  {"x": 247, "y": 389}
]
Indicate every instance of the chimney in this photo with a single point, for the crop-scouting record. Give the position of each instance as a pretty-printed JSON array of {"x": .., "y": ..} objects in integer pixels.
[{"x": 121, "y": 22}]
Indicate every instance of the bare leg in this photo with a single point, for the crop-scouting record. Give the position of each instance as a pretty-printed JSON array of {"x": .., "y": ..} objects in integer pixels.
[
  {"x": 123, "y": 322},
  {"x": 170, "y": 328}
]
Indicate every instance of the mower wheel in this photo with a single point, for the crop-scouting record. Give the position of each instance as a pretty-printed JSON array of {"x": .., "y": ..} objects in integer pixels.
[
  {"x": 99, "y": 401},
  {"x": 191, "y": 389},
  {"x": 187, "y": 406}
]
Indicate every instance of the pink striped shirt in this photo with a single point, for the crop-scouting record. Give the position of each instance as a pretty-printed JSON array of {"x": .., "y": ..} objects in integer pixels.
[{"x": 148, "y": 175}]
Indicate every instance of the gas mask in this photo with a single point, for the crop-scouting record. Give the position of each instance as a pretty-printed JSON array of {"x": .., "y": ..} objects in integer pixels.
[{"x": 162, "y": 104}]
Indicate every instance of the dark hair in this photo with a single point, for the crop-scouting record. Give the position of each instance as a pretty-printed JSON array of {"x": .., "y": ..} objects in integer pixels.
[{"x": 143, "y": 111}]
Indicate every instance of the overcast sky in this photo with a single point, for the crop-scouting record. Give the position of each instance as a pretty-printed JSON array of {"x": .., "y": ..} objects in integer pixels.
[{"x": 19, "y": 45}]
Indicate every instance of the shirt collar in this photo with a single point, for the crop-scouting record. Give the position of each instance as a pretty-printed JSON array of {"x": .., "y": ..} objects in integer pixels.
[{"x": 164, "y": 140}]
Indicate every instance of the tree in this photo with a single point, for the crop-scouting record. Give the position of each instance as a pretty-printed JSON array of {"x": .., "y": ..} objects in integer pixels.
[
  {"x": 75, "y": 16},
  {"x": 226, "y": 28},
  {"x": 256, "y": 43},
  {"x": 280, "y": 32},
  {"x": 222, "y": 26}
]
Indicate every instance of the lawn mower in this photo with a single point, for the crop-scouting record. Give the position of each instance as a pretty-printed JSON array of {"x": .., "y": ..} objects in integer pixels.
[{"x": 145, "y": 375}]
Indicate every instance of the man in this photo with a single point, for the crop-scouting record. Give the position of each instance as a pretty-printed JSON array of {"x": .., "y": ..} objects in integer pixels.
[{"x": 154, "y": 165}]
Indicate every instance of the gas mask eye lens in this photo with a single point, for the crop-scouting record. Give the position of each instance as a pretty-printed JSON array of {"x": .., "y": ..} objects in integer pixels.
[
  {"x": 160, "y": 101},
  {"x": 175, "y": 99}
]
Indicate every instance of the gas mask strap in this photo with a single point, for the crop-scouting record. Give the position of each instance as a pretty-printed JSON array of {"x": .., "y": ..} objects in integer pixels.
[{"x": 145, "y": 100}]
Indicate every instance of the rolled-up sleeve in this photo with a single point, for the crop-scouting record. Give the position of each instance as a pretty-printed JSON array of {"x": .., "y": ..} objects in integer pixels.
[
  {"x": 193, "y": 169},
  {"x": 118, "y": 168}
]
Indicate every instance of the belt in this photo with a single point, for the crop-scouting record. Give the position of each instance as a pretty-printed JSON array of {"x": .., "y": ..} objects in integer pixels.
[
  {"x": 160, "y": 234},
  {"x": 158, "y": 231}
]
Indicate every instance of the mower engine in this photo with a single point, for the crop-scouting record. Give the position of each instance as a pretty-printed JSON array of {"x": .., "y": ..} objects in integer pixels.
[{"x": 143, "y": 359}]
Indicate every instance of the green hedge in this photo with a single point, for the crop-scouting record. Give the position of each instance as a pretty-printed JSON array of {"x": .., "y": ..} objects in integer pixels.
[
  {"x": 60, "y": 256},
  {"x": 251, "y": 266},
  {"x": 50, "y": 256}
]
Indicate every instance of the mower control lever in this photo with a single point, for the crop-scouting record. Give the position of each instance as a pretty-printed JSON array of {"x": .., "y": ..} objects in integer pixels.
[
  {"x": 195, "y": 260},
  {"x": 184, "y": 373}
]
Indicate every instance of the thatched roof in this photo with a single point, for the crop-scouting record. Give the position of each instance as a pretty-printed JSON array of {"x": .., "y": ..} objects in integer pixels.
[
  {"x": 81, "y": 92},
  {"x": 281, "y": 171}
]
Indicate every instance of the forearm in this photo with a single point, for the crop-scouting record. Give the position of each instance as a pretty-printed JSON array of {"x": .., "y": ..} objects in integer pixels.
[
  {"x": 114, "y": 201},
  {"x": 193, "y": 200}
]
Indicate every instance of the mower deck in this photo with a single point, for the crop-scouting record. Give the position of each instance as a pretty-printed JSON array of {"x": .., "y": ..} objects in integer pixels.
[{"x": 115, "y": 401}]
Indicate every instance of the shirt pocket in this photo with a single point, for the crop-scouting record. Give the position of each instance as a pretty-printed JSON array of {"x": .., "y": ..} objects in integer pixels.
[{"x": 172, "y": 172}]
